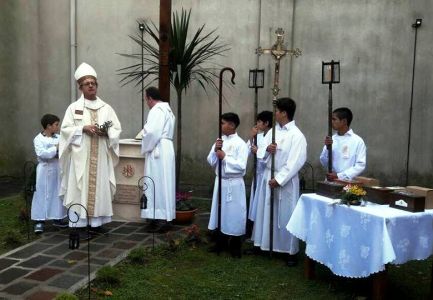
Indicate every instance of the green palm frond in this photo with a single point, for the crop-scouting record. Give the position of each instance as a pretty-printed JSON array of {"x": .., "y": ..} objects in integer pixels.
[{"x": 194, "y": 57}]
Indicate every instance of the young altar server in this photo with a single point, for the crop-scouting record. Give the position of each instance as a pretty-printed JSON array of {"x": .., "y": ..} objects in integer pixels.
[
  {"x": 233, "y": 152},
  {"x": 46, "y": 204},
  {"x": 348, "y": 148},
  {"x": 258, "y": 132},
  {"x": 290, "y": 151}
]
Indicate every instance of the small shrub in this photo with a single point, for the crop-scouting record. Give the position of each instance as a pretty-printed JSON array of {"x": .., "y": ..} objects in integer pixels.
[
  {"x": 12, "y": 238},
  {"x": 138, "y": 256},
  {"x": 66, "y": 296},
  {"x": 108, "y": 275}
]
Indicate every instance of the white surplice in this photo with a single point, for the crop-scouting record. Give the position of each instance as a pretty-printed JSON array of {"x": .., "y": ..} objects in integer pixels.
[
  {"x": 233, "y": 199},
  {"x": 260, "y": 169},
  {"x": 46, "y": 204},
  {"x": 75, "y": 160},
  {"x": 290, "y": 156},
  {"x": 158, "y": 150},
  {"x": 348, "y": 155}
]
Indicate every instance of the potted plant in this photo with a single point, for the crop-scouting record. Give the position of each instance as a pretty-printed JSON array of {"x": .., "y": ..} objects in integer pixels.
[
  {"x": 185, "y": 210},
  {"x": 352, "y": 194}
]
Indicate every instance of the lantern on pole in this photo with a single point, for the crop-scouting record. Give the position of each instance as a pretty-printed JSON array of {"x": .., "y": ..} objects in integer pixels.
[{"x": 330, "y": 76}]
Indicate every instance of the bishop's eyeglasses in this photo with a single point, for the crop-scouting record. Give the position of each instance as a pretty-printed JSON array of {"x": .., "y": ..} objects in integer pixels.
[{"x": 89, "y": 83}]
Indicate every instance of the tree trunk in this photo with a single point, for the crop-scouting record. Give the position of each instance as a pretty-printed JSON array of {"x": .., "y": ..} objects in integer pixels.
[{"x": 179, "y": 137}]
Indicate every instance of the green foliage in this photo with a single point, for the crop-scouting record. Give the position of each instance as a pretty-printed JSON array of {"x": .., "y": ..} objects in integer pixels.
[
  {"x": 109, "y": 276},
  {"x": 138, "y": 256},
  {"x": 189, "y": 58},
  {"x": 13, "y": 238},
  {"x": 66, "y": 296},
  {"x": 13, "y": 232}
]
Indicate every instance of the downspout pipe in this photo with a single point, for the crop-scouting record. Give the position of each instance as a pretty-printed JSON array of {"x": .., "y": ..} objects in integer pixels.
[{"x": 73, "y": 43}]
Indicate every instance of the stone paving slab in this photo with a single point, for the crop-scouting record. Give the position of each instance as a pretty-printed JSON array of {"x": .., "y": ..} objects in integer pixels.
[
  {"x": 46, "y": 267},
  {"x": 19, "y": 287},
  {"x": 6, "y": 262},
  {"x": 36, "y": 261}
]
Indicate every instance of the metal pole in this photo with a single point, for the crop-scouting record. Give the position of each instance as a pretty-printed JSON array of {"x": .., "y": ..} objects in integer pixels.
[
  {"x": 411, "y": 106},
  {"x": 329, "y": 147},
  {"x": 141, "y": 27}
]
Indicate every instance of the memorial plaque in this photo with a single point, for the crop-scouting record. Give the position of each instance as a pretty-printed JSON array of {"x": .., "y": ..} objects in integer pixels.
[{"x": 128, "y": 194}]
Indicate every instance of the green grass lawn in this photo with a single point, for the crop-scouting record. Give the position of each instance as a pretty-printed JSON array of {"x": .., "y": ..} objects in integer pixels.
[
  {"x": 13, "y": 230},
  {"x": 193, "y": 273}
]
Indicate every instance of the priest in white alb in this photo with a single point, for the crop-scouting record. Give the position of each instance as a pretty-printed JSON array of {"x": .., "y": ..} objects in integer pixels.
[
  {"x": 88, "y": 153},
  {"x": 158, "y": 150}
]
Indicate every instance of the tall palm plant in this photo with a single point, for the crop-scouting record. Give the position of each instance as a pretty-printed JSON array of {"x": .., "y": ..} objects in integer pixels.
[{"x": 190, "y": 60}]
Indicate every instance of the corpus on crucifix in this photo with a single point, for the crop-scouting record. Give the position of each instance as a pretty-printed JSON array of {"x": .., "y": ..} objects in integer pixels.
[{"x": 278, "y": 51}]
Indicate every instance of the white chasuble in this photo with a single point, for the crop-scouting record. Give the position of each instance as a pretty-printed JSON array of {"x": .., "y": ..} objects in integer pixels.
[
  {"x": 233, "y": 200},
  {"x": 159, "y": 164},
  {"x": 87, "y": 162},
  {"x": 290, "y": 156}
]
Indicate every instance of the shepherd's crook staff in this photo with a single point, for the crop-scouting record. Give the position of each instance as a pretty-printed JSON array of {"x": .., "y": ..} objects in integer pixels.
[
  {"x": 278, "y": 52},
  {"x": 218, "y": 246}
]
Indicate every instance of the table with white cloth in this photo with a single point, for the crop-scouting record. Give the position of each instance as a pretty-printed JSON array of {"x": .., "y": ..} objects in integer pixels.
[{"x": 358, "y": 241}]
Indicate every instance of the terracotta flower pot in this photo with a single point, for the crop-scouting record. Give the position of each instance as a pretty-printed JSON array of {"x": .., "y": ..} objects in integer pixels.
[{"x": 185, "y": 216}]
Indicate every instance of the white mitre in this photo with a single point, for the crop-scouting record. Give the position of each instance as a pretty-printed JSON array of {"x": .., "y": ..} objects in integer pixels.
[{"x": 84, "y": 70}]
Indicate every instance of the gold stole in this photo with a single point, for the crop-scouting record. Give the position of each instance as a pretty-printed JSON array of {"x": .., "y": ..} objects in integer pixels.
[{"x": 94, "y": 147}]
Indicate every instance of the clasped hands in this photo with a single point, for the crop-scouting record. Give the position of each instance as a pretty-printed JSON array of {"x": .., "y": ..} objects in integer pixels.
[
  {"x": 218, "y": 149},
  {"x": 93, "y": 130}
]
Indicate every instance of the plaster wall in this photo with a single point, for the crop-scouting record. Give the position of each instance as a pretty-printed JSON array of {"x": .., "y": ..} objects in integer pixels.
[{"x": 372, "y": 39}]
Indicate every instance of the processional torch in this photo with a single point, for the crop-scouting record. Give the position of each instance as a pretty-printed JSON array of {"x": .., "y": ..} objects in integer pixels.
[
  {"x": 330, "y": 75},
  {"x": 219, "y": 233},
  {"x": 277, "y": 51}
]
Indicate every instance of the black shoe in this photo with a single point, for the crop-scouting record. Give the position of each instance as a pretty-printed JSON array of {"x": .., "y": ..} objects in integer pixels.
[
  {"x": 291, "y": 260},
  {"x": 39, "y": 227}
]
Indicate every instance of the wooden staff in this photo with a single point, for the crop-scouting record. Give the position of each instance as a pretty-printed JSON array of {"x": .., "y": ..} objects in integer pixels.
[{"x": 219, "y": 246}]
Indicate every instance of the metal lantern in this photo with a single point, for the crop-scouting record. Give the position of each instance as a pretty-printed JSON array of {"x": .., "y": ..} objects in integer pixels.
[
  {"x": 143, "y": 201},
  {"x": 74, "y": 240},
  {"x": 330, "y": 72},
  {"x": 256, "y": 79}
]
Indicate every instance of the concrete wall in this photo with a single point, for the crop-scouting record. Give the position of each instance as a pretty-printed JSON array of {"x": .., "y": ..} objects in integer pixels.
[{"x": 372, "y": 39}]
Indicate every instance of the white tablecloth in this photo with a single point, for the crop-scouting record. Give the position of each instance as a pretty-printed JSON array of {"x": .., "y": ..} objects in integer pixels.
[{"x": 357, "y": 241}]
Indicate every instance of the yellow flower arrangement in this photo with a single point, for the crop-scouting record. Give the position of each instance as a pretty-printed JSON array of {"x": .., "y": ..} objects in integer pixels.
[{"x": 352, "y": 194}]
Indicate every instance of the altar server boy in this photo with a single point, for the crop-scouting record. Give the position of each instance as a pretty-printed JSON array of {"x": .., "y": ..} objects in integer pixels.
[
  {"x": 258, "y": 133},
  {"x": 290, "y": 150},
  {"x": 348, "y": 149},
  {"x": 233, "y": 152},
  {"x": 46, "y": 204}
]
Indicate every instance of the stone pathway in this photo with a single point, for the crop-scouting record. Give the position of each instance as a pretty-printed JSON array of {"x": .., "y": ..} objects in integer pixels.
[{"x": 46, "y": 267}]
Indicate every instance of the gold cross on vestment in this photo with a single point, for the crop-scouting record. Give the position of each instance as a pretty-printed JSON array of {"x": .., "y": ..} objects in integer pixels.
[{"x": 278, "y": 52}]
